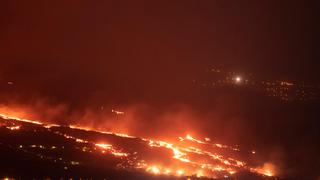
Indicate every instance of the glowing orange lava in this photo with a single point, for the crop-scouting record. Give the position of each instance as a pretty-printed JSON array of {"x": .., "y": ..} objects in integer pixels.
[{"x": 189, "y": 157}]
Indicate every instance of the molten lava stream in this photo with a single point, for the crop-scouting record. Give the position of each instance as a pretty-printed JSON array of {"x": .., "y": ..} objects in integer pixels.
[{"x": 188, "y": 157}]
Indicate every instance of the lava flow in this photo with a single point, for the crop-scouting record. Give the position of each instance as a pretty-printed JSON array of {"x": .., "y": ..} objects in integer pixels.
[{"x": 188, "y": 156}]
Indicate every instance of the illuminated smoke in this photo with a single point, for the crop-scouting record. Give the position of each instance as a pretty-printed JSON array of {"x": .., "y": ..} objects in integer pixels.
[{"x": 190, "y": 156}]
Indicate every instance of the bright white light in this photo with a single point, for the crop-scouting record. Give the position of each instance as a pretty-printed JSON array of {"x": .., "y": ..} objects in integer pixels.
[
  {"x": 180, "y": 172},
  {"x": 238, "y": 79},
  {"x": 155, "y": 170}
]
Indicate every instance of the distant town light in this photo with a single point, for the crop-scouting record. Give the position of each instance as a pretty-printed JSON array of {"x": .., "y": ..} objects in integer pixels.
[{"x": 238, "y": 79}]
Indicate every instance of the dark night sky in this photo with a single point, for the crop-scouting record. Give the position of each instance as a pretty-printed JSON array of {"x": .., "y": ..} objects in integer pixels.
[
  {"x": 120, "y": 53},
  {"x": 111, "y": 46}
]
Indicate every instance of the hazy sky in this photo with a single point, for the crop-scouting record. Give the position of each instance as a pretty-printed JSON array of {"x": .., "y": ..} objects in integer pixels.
[{"x": 108, "y": 47}]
